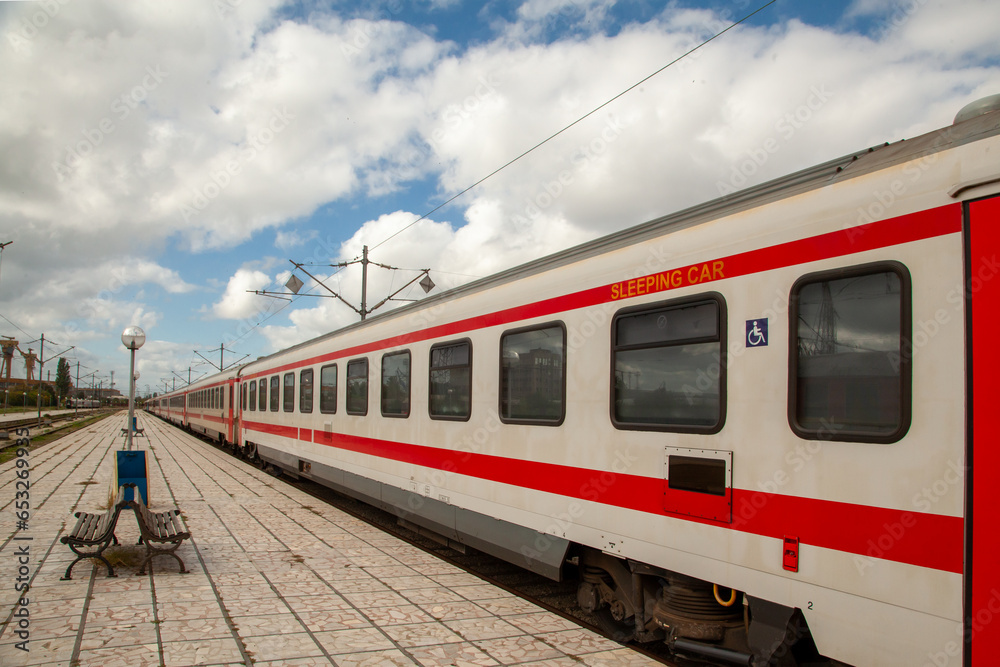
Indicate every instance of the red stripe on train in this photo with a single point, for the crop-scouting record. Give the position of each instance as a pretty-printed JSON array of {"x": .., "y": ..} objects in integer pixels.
[
  {"x": 926, "y": 540},
  {"x": 882, "y": 234}
]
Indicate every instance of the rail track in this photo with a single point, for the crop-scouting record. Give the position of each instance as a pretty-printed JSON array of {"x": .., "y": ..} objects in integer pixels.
[{"x": 47, "y": 425}]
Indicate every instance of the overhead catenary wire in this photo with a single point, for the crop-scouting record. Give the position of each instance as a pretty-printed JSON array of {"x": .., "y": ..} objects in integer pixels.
[
  {"x": 533, "y": 148},
  {"x": 575, "y": 122}
]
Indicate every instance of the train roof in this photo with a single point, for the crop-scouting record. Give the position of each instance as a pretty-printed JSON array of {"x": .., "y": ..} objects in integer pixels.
[{"x": 968, "y": 128}]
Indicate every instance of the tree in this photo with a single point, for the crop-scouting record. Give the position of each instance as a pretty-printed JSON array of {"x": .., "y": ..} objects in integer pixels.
[{"x": 63, "y": 379}]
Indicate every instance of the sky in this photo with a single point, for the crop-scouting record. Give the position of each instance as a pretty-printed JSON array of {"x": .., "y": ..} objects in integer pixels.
[{"x": 160, "y": 159}]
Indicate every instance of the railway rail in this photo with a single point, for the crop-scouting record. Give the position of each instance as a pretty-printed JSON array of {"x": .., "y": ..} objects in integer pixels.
[{"x": 49, "y": 423}]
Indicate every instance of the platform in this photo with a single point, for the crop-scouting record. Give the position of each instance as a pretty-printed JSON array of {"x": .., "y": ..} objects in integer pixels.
[{"x": 277, "y": 577}]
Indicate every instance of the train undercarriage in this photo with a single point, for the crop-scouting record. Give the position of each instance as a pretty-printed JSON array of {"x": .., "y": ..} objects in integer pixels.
[{"x": 632, "y": 601}]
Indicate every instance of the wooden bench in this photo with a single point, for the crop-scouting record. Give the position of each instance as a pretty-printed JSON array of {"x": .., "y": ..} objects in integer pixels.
[
  {"x": 158, "y": 528},
  {"x": 96, "y": 532}
]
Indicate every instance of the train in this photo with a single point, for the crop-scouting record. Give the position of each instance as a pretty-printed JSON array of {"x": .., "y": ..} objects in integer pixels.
[
  {"x": 757, "y": 429},
  {"x": 82, "y": 403}
]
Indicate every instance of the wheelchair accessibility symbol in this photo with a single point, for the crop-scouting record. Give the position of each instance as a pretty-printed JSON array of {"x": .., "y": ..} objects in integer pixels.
[{"x": 757, "y": 332}]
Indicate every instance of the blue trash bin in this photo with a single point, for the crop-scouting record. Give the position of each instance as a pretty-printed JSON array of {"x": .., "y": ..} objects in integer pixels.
[{"x": 131, "y": 469}]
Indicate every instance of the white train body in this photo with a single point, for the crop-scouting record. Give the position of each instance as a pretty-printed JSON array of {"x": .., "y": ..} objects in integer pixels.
[{"x": 825, "y": 465}]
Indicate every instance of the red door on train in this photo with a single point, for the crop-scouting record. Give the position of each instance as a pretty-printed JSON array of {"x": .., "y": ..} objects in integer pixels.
[
  {"x": 982, "y": 548},
  {"x": 233, "y": 423}
]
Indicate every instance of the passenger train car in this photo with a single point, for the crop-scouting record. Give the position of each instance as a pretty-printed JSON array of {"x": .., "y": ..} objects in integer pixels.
[{"x": 757, "y": 429}]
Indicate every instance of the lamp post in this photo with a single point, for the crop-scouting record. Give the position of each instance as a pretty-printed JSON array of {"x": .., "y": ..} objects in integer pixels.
[{"x": 132, "y": 338}]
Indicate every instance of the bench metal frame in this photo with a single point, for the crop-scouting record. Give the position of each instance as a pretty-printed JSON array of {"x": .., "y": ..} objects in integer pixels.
[{"x": 95, "y": 531}]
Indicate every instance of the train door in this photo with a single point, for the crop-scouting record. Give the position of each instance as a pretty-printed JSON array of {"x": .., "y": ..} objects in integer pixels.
[
  {"x": 982, "y": 517},
  {"x": 233, "y": 414}
]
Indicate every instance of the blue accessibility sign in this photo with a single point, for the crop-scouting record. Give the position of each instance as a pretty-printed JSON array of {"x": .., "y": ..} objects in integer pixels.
[{"x": 757, "y": 332}]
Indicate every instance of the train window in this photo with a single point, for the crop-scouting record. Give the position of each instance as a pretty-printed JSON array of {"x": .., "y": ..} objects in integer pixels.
[
  {"x": 849, "y": 369},
  {"x": 306, "y": 390},
  {"x": 533, "y": 375},
  {"x": 396, "y": 384},
  {"x": 275, "y": 393},
  {"x": 216, "y": 399},
  {"x": 451, "y": 381},
  {"x": 357, "y": 387},
  {"x": 253, "y": 395},
  {"x": 243, "y": 397},
  {"x": 262, "y": 395},
  {"x": 288, "y": 393},
  {"x": 328, "y": 389},
  {"x": 669, "y": 371}
]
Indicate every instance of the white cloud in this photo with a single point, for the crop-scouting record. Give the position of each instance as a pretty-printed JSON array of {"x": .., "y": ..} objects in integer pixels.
[
  {"x": 286, "y": 240},
  {"x": 237, "y": 302}
]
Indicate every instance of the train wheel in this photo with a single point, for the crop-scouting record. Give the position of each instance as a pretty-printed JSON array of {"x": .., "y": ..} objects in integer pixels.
[
  {"x": 600, "y": 594},
  {"x": 620, "y": 629}
]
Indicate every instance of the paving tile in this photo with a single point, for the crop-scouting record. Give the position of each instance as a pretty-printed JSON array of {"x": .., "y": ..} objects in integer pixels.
[
  {"x": 489, "y": 627},
  {"x": 374, "y": 659},
  {"x": 334, "y": 619},
  {"x": 578, "y": 642},
  {"x": 437, "y": 594},
  {"x": 398, "y": 615},
  {"x": 480, "y": 591},
  {"x": 121, "y": 634},
  {"x": 513, "y": 650},
  {"x": 375, "y": 599},
  {"x": 250, "y": 607},
  {"x": 620, "y": 657},
  {"x": 282, "y": 647},
  {"x": 122, "y": 656},
  {"x": 133, "y": 613},
  {"x": 410, "y": 583},
  {"x": 357, "y": 640},
  {"x": 459, "y": 579},
  {"x": 554, "y": 662},
  {"x": 186, "y": 611},
  {"x": 55, "y": 608},
  {"x": 307, "y": 603},
  {"x": 271, "y": 624},
  {"x": 202, "y": 628},
  {"x": 421, "y": 634},
  {"x": 40, "y": 651},
  {"x": 202, "y": 652},
  {"x": 59, "y": 626},
  {"x": 367, "y": 584},
  {"x": 541, "y": 622},
  {"x": 508, "y": 606},
  {"x": 317, "y": 661},
  {"x": 449, "y": 655},
  {"x": 454, "y": 610}
]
